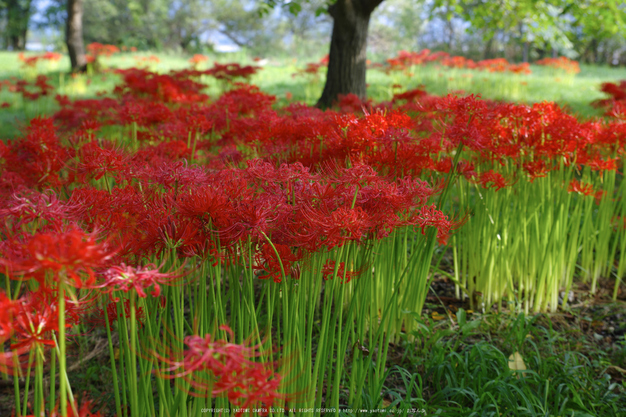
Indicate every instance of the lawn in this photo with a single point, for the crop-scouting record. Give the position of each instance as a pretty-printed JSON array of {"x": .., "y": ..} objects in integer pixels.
[{"x": 178, "y": 242}]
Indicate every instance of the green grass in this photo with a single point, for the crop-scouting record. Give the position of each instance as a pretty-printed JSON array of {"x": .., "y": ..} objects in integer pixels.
[{"x": 463, "y": 370}]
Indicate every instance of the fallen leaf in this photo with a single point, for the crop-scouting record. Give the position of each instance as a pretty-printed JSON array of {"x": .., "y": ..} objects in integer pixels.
[
  {"x": 516, "y": 363},
  {"x": 437, "y": 316}
]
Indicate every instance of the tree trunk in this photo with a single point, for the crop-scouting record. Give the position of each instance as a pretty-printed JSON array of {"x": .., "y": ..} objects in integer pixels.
[
  {"x": 348, "y": 47},
  {"x": 17, "y": 18},
  {"x": 488, "y": 47},
  {"x": 74, "y": 35},
  {"x": 525, "y": 51}
]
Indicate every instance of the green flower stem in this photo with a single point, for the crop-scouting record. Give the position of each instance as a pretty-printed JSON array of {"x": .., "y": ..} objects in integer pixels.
[
  {"x": 39, "y": 391},
  {"x": 31, "y": 356},
  {"x": 118, "y": 406},
  {"x": 64, "y": 378},
  {"x": 53, "y": 371},
  {"x": 62, "y": 358},
  {"x": 125, "y": 360}
]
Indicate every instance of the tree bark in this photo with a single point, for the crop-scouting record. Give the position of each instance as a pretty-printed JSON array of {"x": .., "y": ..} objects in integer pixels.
[
  {"x": 74, "y": 35},
  {"x": 18, "y": 15},
  {"x": 525, "y": 51},
  {"x": 348, "y": 50},
  {"x": 488, "y": 47}
]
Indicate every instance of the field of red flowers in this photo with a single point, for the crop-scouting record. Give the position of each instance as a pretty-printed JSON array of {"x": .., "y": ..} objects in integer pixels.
[{"x": 233, "y": 254}]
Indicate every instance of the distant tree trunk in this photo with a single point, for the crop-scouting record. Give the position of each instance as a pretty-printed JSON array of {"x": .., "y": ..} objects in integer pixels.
[
  {"x": 525, "y": 51},
  {"x": 488, "y": 47},
  {"x": 348, "y": 47},
  {"x": 594, "y": 51},
  {"x": 18, "y": 15},
  {"x": 74, "y": 35}
]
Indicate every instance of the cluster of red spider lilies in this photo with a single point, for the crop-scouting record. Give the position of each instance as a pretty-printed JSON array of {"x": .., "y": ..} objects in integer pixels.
[
  {"x": 406, "y": 60},
  {"x": 171, "y": 216}
]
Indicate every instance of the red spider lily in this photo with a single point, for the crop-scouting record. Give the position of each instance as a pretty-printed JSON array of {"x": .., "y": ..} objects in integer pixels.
[
  {"x": 124, "y": 278},
  {"x": 39, "y": 157},
  {"x": 410, "y": 95},
  {"x": 352, "y": 104},
  {"x": 311, "y": 68},
  {"x": 31, "y": 61},
  {"x": 470, "y": 121},
  {"x": 430, "y": 216},
  {"x": 175, "y": 87},
  {"x": 164, "y": 232},
  {"x": 30, "y": 206},
  {"x": 244, "y": 100},
  {"x": 41, "y": 87},
  {"x": 197, "y": 59},
  {"x": 113, "y": 214},
  {"x": 576, "y": 186},
  {"x": 568, "y": 65},
  {"x": 74, "y": 252},
  {"x": 230, "y": 72},
  {"x": 97, "y": 161},
  {"x": 74, "y": 411},
  {"x": 536, "y": 169},
  {"x": 336, "y": 227},
  {"x": 328, "y": 271},
  {"x": 496, "y": 179},
  {"x": 245, "y": 382},
  {"x": 7, "y": 309},
  {"x": 599, "y": 164},
  {"x": 98, "y": 318},
  {"x": 267, "y": 261},
  {"x": 96, "y": 48},
  {"x": 36, "y": 317}
]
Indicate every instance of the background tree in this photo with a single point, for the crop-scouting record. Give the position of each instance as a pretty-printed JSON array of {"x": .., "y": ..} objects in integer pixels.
[
  {"x": 348, "y": 50},
  {"x": 74, "y": 35},
  {"x": 16, "y": 16},
  {"x": 348, "y": 46}
]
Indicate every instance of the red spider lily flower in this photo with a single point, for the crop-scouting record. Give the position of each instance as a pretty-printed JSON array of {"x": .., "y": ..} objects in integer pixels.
[
  {"x": 328, "y": 271},
  {"x": 39, "y": 157},
  {"x": 267, "y": 261},
  {"x": 165, "y": 232},
  {"x": 334, "y": 228},
  {"x": 74, "y": 410},
  {"x": 496, "y": 179},
  {"x": 197, "y": 59},
  {"x": 73, "y": 252},
  {"x": 98, "y": 318},
  {"x": 576, "y": 186},
  {"x": 599, "y": 164},
  {"x": 536, "y": 169},
  {"x": 7, "y": 309},
  {"x": 36, "y": 316},
  {"x": 430, "y": 216},
  {"x": 96, "y": 161},
  {"x": 229, "y": 72},
  {"x": 469, "y": 125},
  {"x": 30, "y": 206},
  {"x": 246, "y": 383},
  {"x": 125, "y": 278}
]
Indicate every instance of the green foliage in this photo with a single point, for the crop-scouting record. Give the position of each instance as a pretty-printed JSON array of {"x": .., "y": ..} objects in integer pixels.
[
  {"x": 564, "y": 25},
  {"x": 464, "y": 371}
]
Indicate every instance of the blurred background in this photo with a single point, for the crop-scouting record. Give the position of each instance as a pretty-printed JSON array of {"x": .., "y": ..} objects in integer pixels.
[{"x": 518, "y": 30}]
